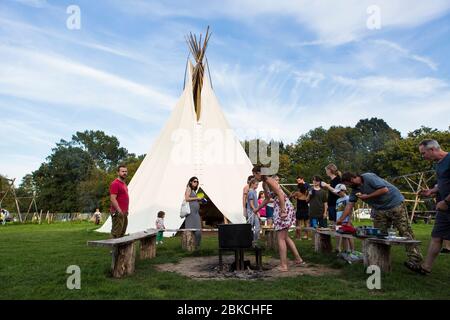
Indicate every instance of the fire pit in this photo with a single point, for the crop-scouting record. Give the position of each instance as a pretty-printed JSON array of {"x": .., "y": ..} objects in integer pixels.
[{"x": 238, "y": 238}]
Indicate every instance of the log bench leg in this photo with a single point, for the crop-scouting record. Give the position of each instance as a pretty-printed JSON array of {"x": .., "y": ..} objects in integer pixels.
[
  {"x": 123, "y": 260},
  {"x": 188, "y": 241},
  {"x": 148, "y": 248},
  {"x": 378, "y": 254},
  {"x": 322, "y": 243},
  {"x": 271, "y": 240},
  {"x": 258, "y": 258}
]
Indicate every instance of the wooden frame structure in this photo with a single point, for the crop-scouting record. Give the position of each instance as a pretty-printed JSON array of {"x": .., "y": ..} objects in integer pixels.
[
  {"x": 32, "y": 205},
  {"x": 11, "y": 189},
  {"x": 414, "y": 183}
]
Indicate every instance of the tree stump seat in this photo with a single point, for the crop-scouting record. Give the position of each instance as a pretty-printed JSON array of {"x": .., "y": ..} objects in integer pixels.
[
  {"x": 376, "y": 251},
  {"x": 271, "y": 238},
  {"x": 123, "y": 250}
]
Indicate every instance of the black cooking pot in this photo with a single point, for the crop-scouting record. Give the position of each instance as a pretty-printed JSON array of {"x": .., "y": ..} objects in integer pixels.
[{"x": 237, "y": 235}]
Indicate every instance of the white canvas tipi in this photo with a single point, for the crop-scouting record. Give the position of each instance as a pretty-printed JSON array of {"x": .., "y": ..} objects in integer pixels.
[{"x": 206, "y": 148}]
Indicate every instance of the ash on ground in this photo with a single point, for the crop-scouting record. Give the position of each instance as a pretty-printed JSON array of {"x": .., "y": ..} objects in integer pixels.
[{"x": 207, "y": 268}]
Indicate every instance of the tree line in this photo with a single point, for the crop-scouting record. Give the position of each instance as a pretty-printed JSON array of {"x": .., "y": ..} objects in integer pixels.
[{"x": 75, "y": 177}]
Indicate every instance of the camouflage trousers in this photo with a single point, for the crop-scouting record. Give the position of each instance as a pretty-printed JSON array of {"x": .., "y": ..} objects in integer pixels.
[
  {"x": 119, "y": 224},
  {"x": 398, "y": 218}
]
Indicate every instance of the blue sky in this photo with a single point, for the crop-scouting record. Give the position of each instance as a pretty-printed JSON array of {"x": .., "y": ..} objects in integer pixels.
[{"x": 285, "y": 65}]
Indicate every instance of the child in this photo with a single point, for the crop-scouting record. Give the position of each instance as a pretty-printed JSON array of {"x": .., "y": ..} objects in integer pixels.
[
  {"x": 341, "y": 203},
  {"x": 262, "y": 211},
  {"x": 160, "y": 226},
  {"x": 302, "y": 213},
  {"x": 252, "y": 204},
  {"x": 318, "y": 206},
  {"x": 97, "y": 216}
]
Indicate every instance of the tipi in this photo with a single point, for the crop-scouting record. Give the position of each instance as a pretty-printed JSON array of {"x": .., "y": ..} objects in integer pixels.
[{"x": 196, "y": 141}]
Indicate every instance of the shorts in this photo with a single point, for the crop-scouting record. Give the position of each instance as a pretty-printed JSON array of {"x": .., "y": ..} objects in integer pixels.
[
  {"x": 441, "y": 227},
  {"x": 318, "y": 222},
  {"x": 302, "y": 215},
  {"x": 269, "y": 212}
]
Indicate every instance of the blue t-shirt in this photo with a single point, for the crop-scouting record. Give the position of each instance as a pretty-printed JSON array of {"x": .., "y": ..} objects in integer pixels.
[
  {"x": 443, "y": 176},
  {"x": 341, "y": 203},
  {"x": 252, "y": 196},
  {"x": 371, "y": 183}
]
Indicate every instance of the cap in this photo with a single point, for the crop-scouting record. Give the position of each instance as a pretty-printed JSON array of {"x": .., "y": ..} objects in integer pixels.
[{"x": 340, "y": 187}]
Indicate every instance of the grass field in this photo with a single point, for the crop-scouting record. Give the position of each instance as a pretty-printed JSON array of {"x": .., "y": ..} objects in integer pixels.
[{"x": 34, "y": 258}]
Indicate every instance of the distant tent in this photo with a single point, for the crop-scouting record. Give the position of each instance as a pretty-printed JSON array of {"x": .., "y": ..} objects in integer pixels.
[{"x": 196, "y": 141}]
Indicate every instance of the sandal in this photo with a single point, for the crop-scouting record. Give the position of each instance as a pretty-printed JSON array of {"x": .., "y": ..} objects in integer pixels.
[{"x": 417, "y": 268}]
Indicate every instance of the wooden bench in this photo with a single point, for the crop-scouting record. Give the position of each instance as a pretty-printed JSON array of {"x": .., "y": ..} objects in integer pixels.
[
  {"x": 322, "y": 239},
  {"x": 123, "y": 250},
  {"x": 376, "y": 251}
]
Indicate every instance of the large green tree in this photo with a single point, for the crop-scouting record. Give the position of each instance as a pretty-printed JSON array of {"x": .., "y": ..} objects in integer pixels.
[
  {"x": 104, "y": 150},
  {"x": 57, "y": 179}
]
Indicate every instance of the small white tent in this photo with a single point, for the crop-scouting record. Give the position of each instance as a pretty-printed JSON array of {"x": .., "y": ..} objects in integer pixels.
[{"x": 194, "y": 142}]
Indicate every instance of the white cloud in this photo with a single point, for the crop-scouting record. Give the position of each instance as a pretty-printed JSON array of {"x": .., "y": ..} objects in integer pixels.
[
  {"x": 405, "y": 53},
  {"x": 273, "y": 97},
  {"x": 311, "y": 78},
  {"x": 33, "y": 3},
  {"x": 404, "y": 87},
  {"x": 68, "y": 82},
  {"x": 333, "y": 22}
]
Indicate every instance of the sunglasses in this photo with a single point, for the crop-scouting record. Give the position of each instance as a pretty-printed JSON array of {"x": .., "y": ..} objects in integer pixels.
[{"x": 195, "y": 181}]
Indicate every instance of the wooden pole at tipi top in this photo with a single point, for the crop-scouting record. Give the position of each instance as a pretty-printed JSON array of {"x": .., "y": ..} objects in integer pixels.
[{"x": 198, "y": 50}]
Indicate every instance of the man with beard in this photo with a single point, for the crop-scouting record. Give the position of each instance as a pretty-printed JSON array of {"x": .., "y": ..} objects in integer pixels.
[
  {"x": 119, "y": 203},
  {"x": 388, "y": 208}
]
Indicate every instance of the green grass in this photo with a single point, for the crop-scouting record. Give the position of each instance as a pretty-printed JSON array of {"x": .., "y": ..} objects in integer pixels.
[{"x": 34, "y": 258}]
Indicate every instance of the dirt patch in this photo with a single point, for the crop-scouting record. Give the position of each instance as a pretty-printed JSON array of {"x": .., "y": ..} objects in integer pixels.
[{"x": 206, "y": 268}]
